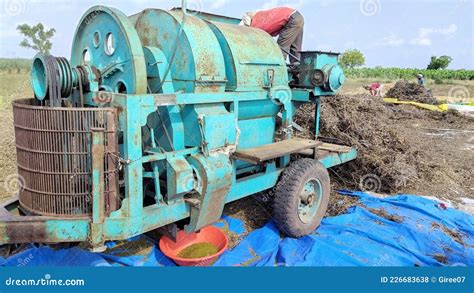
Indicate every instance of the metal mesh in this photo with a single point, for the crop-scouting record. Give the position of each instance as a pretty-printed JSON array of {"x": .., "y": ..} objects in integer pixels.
[{"x": 54, "y": 158}]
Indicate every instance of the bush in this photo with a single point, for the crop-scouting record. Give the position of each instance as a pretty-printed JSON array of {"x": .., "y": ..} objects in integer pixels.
[{"x": 438, "y": 81}]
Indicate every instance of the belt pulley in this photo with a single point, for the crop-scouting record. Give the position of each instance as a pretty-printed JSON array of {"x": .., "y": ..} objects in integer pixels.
[{"x": 54, "y": 77}]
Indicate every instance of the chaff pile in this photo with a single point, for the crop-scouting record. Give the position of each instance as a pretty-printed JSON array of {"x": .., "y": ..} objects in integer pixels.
[
  {"x": 408, "y": 91},
  {"x": 366, "y": 123}
]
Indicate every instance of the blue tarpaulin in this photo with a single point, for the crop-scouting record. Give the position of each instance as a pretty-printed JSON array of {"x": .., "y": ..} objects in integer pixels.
[{"x": 403, "y": 230}]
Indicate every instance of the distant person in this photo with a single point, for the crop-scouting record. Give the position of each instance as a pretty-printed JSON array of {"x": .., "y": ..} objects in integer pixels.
[
  {"x": 421, "y": 79},
  {"x": 284, "y": 22},
  {"x": 375, "y": 89}
]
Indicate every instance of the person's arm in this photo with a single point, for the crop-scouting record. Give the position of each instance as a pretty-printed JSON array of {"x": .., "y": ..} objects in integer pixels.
[{"x": 247, "y": 18}]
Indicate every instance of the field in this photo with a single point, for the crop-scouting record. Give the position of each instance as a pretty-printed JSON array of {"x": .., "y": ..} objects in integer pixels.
[
  {"x": 452, "y": 91},
  {"x": 12, "y": 86},
  {"x": 15, "y": 65},
  {"x": 439, "y": 76}
]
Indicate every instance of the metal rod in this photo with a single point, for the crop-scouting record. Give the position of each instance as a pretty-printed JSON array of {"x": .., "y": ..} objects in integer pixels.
[
  {"x": 317, "y": 116},
  {"x": 98, "y": 151},
  {"x": 298, "y": 59},
  {"x": 184, "y": 5},
  {"x": 156, "y": 171},
  {"x": 98, "y": 196}
]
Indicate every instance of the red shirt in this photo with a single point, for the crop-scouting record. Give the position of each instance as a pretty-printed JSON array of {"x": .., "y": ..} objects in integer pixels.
[
  {"x": 272, "y": 20},
  {"x": 374, "y": 86}
]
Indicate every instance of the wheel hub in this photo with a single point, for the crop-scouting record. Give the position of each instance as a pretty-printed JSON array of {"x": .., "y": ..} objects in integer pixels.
[{"x": 310, "y": 200}]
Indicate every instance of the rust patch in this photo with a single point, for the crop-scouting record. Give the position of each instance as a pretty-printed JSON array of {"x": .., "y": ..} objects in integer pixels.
[{"x": 26, "y": 232}]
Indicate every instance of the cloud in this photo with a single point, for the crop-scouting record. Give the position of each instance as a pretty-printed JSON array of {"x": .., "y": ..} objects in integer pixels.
[
  {"x": 350, "y": 44},
  {"x": 288, "y": 3},
  {"x": 9, "y": 34},
  {"x": 424, "y": 37},
  {"x": 391, "y": 40},
  {"x": 10, "y": 30},
  {"x": 218, "y": 4},
  {"x": 325, "y": 47}
]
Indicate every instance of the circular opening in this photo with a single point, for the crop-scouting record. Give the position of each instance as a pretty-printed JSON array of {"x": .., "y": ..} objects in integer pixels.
[
  {"x": 109, "y": 44},
  {"x": 86, "y": 56},
  {"x": 38, "y": 78},
  {"x": 96, "y": 39},
  {"x": 121, "y": 88},
  {"x": 318, "y": 78}
]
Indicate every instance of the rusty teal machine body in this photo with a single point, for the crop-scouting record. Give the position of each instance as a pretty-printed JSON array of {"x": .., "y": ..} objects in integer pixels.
[{"x": 160, "y": 119}]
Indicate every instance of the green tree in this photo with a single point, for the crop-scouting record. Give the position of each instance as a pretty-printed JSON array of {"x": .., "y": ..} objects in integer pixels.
[
  {"x": 36, "y": 37},
  {"x": 352, "y": 58},
  {"x": 441, "y": 62}
]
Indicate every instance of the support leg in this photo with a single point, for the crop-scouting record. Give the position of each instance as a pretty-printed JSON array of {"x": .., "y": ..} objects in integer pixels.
[{"x": 98, "y": 196}]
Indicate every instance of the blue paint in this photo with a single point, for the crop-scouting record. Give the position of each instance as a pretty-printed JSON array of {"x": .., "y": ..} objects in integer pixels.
[{"x": 331, "y": 76}]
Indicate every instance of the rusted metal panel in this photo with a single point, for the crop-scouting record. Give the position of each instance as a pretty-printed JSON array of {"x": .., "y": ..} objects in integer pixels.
[
  {"x": 98, "y": 155},
  {"x": 54, "y": 158},
  {"x": 214, "y": 181},
  {"x": 249, "y": 55},
  {"x": 196, "y": 62},
  {"x": 26, "y": 229},
  {"x": 327, "y": 148},
  {"x": 279, "y": 149},
  {"x": 334, "y": 148},
  {"x": 24, "y": 232},
  {"x": 180, "y": 177}
]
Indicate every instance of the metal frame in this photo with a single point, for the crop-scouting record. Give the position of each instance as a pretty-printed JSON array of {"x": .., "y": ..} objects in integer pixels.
[
  {"x": 132, "y": 218},
  {"x": 201, "y": 177}
]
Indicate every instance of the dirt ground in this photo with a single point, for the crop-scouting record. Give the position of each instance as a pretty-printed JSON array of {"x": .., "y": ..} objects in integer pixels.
[
  {"x": 448, "y": 148},
  {"x": 443, "y": 146}
]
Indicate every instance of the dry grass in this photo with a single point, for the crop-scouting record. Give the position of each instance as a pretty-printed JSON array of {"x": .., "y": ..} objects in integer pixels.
[
  {"x": 410, "y": 150},
  {"x": 12, "y": 86},
  {"x": 410, "y": 91}
]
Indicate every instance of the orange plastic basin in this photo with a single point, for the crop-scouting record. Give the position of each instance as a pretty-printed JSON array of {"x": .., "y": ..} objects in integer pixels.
[{"x": 209, "y": 234}]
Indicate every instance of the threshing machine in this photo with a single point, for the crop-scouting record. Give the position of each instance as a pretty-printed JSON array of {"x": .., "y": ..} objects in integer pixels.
[{"x": 157, "y": 121}]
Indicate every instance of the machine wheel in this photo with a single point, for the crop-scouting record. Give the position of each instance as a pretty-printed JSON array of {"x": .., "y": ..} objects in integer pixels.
[{"x": 301, "y": 197}]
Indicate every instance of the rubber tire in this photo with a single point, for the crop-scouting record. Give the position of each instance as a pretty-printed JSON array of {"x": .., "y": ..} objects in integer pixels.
[{"x": 287, "y": 197}]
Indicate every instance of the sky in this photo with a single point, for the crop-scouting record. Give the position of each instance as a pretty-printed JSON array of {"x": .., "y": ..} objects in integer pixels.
[{"x": 390, "y": 33}]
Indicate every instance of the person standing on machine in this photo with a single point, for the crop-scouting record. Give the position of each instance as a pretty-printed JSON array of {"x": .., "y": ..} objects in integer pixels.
[{"x": 284, "y": 22}]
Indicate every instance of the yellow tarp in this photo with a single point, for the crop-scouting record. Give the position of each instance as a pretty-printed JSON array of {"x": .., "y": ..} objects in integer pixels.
[{"x": 437, "y": 108}]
